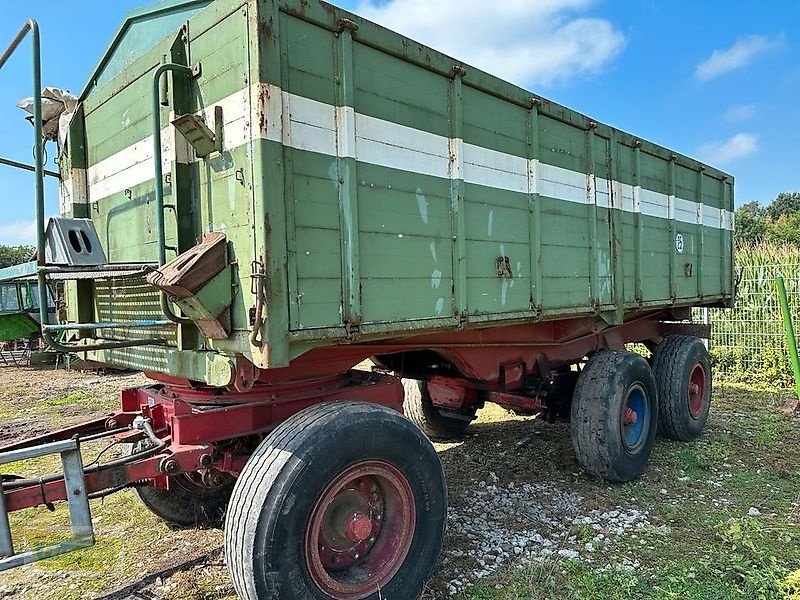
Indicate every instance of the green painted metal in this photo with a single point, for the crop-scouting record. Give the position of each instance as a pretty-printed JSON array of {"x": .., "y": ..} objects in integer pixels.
[
  {"x": 141, "y": 30},
  {"x": 211, "y": 300},
  {"x": 788, "y": 327},
  {"x": 345, "y": 233},
  {"x": 18, "y": 272},
  {"x": 17, "y": 326}
]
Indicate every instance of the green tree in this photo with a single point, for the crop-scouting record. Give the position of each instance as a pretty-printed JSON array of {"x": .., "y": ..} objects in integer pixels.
[
  {"x": 14, "y": 255},
  {"x": 751, "y": 223},
  {"x": 784, "y": 204},
  {"x": 785, "y": 229}
]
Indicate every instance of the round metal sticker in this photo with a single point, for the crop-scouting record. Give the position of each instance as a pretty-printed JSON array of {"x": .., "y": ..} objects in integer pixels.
[{"x": 679, "y": 243}]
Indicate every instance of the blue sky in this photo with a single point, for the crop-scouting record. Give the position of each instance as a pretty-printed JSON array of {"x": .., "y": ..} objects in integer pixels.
[{"x": 716, "y": 80}]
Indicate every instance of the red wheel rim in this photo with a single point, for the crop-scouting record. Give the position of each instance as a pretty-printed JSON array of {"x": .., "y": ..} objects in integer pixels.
[
  {"x": 360, "y": 530},
  {"x": 697, "y": 391}
]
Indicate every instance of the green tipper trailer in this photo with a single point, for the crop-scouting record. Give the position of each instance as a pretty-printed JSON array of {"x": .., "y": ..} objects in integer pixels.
[{"x": 258, "y": 195}]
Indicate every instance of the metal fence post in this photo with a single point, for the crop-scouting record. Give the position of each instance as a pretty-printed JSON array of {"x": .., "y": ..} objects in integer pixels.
[{"x": 789, "y": 328}]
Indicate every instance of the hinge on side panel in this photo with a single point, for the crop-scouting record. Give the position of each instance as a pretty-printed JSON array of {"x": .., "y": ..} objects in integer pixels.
[
  {"x": 352, "y": 331},
  {"x": 257, "y": 277}
]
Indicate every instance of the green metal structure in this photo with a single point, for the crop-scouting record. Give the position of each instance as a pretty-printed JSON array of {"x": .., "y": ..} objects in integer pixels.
[
  {"x": 369, "y": 186},
  {"x": 19, "y": 308}
]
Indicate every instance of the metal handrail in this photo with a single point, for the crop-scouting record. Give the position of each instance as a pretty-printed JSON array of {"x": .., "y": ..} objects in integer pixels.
[
  {"x": 159, "y": 181},
  {"x": 32, "y": 27},
  {"x": 26, "y": 167}
]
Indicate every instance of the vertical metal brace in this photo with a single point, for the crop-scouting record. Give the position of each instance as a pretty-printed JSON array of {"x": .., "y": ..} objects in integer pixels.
[
  {"x": 673, "y": 229},
  {"x": 457, "y": 192},
  {"x": 534, "y": 206},
  {"x": 617, "y": 228},
  {"x": 788, "y": 326},
  {"x": 287, "y": 179},
  {"x": 637, "y": 220},
  {"x": 701, "y": 231},
  {"x": 726, "y": 250},
  {"x": 159, "y": 179},
  {"x": 77, "y": 499},
  {"x": 591, "y": 197},
  {"x": 348, "y": 182},
  {"x": 6, "y": 543}
]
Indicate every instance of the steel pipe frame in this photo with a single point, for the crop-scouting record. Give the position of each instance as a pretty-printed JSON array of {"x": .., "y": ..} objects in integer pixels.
[
  {"x": 32, "y": 27},
  {"x": 159, "y": 180}
]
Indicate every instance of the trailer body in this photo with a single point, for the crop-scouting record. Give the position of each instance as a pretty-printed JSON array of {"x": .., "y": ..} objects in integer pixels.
[{"x": 378, "y": 189}]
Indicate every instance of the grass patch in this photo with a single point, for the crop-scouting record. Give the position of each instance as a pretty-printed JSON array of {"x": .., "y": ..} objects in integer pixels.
[{"x": 76, "y": 398}]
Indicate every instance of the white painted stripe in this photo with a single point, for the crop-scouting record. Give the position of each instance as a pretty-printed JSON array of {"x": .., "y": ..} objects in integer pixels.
[
  {"x": 654, "y": 204},
  {"x": 534, "y": 169},
  {"x": 713, "y": 217},
  {"x": 491, "y": 168},
  {"x": 456, "y": 159},
  {"x": 306, "y": 124},
  {"x": 72, "y": 190},
  {"x": 400, "y": 147},
  {"x": 685, "y": 211},
  {"x": 623, "y": 197},
  {"x": 345, "y": 132},
  {"x": 562, "y": 184},
  {"x": 602, "y": 191}
]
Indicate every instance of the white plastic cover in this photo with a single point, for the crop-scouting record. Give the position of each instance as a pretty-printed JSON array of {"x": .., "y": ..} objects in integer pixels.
[{"x": 58, "y": 106}]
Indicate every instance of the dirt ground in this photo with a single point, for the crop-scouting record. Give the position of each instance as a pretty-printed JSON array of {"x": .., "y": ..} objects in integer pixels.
[{"x": 714, "y": 519}]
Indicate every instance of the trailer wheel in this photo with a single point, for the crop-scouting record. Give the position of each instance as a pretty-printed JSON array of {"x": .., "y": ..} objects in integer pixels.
[
  {"x": 614, "y": 415},
  {"x": 682, "y": 369},
  {"x": 421, "y": 411},
  {"x": 189, "y": 501},
  {"x": 342, "y": 501}
]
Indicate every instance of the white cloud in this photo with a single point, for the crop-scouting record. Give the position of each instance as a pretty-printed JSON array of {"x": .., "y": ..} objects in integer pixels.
[
  {"x": 734, "y": 148},
  {"x": 542, "y": 42},
  {"x": 743, "y": 112},
  {"x": 742, "y": 53},
  {"x": 18, "y": 232}
]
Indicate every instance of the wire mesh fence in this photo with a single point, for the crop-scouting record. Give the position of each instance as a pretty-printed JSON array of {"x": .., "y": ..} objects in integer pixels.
[{"x": 748, "y": 343}]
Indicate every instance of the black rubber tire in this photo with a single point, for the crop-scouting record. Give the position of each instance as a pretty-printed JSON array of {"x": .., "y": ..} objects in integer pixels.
[
  {"x": 596, "y": 415},
  {"x": 185, "y": 503},
  {"x": 673, "y": 363},
  {"x": 419, "y": 409},
  {"x": 276, "y": 492}
]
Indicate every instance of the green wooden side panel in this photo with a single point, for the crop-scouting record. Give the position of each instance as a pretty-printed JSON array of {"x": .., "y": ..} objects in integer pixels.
[
  {"x": 392, "y": 89},
  {"x": 405, "y": 245},
  {"x": 318, "y": 295},
  {"x": 493, "y": 123}
]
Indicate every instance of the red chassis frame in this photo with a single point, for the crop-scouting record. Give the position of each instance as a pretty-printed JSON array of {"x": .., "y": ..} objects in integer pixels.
[{"x": 210, "y": 430}]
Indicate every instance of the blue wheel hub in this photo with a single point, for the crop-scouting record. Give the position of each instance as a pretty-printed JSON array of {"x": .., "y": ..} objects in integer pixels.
[{"x": 635, "y": 419}]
